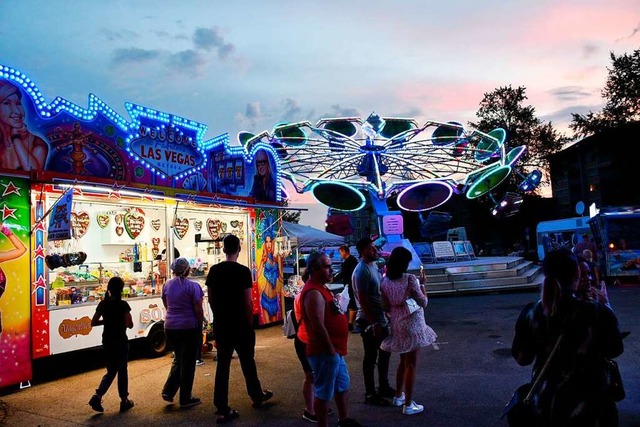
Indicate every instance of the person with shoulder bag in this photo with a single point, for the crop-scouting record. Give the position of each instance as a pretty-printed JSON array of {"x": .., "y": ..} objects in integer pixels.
[
  {"x": 567, "y": 341},
  {"x": 401, "y": 293}
]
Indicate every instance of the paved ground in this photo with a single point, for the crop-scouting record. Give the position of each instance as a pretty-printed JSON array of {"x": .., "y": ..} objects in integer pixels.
[{"x": 464, "y": 381}]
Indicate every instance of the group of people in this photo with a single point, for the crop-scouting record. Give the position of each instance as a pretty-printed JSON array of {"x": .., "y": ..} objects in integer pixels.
[
  {"x": 583, "y": 330},
  {"x": 229, "y": 286},
  {"x": 384, "y": 320}
]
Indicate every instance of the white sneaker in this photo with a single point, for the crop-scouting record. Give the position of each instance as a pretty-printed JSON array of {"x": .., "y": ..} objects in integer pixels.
[
  {"x": 399, "y": 401},
  {"x": 412, "y": 408}
]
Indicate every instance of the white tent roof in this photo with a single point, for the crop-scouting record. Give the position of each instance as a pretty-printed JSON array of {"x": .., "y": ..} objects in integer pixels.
[{"x": 311, "y": 237}]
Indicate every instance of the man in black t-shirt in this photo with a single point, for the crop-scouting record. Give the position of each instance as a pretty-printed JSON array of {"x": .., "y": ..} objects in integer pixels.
[{"x": 230, "y": 297}]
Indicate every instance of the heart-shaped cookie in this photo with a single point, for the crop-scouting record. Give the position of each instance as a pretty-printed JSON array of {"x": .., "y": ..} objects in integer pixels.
[
  {"x": 240, "y": 224},
  {"x": 180, "y": 227},
  {"x": 118, "y": 218},
  {"x": 155, "y": 242},
  {"x": 155, "y": 224},
  {"x": 234, "y": 223},
  {"x": 134, "y": 222},
  {"x": 119, "y": 230},
  {"x": 79, "y": 224},
  {"x": 102, "y": 220},
  {"x": 213, "y": 228},
  {"x": 197, "y": 225}
]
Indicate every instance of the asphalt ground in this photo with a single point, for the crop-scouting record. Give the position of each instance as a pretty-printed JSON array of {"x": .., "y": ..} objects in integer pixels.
[{"x": 465, "y": 379}]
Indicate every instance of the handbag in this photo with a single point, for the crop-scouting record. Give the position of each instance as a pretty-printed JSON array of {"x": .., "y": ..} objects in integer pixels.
[
  {"x": 411, "y": 303},
  {"x": 613, "y": 380},
  {"x": 520, "y": 411}
]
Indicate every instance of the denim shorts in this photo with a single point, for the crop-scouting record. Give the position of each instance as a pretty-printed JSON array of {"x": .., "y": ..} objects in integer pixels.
[{"x": 330, "y": 375}]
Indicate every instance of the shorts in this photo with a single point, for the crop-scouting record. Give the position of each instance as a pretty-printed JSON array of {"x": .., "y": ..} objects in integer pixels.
[
  {"x": 330, "y": 375},
  {"x": 301, "y": 352}
]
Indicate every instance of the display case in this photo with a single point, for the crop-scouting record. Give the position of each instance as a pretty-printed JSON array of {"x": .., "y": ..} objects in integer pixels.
[{"x": 87, "y": 283}]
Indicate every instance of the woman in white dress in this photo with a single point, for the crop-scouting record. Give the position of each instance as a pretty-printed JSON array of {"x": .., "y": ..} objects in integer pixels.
[{"x": 409, "y": 331}]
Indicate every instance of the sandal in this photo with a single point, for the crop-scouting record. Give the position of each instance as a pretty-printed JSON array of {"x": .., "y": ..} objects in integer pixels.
[{"x": 231, "y": 415}]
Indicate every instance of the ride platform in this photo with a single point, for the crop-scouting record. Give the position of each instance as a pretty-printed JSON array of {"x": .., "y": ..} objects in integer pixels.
[{"x": 482, "y": 274}]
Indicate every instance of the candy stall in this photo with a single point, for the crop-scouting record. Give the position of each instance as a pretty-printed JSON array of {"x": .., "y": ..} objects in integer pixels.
[{"x": 87, "y": 194}]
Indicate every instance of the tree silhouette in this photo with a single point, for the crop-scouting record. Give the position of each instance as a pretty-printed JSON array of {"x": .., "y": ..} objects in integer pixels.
[
  {"x": 622, "y": 95},
  {"x": 505, "y": 107}
]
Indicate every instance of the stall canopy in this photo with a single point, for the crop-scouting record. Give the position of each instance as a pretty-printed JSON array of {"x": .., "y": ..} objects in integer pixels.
[{"x": 311, "y": 237}]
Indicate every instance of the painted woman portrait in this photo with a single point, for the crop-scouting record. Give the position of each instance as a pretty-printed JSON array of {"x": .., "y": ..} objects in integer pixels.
[
  {"x": 18, "y": 249},
  {"x": 264, "y": 182},
  {"x": 270, "y": 280},
  {"x": 19, "y": 148}
]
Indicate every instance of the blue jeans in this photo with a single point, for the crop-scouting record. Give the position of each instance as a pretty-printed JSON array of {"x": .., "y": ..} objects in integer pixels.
[{"x": 330, "y": 375}]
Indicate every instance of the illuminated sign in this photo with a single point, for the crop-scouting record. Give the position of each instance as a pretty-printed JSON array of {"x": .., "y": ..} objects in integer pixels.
[
  {"x": 392, "y": 224},
  {"x": 164, "y": 143}
]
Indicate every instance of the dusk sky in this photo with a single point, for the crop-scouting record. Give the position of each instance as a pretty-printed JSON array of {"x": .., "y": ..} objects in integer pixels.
[{"x": 247, "y": 65}]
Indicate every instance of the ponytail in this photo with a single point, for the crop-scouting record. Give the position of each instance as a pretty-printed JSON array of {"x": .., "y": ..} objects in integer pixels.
[{"x": 551, "y": 293}]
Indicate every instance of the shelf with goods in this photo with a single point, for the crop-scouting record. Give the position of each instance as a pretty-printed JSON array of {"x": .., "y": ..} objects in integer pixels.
[{"x": 87, "y": 283}]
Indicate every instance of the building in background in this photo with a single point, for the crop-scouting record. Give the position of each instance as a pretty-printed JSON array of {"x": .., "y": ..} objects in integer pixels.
[{"x": 599, "y": 169}]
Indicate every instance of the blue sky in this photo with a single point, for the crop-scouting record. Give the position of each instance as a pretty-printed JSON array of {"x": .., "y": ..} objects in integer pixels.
[{"x": 247, "y": 65}]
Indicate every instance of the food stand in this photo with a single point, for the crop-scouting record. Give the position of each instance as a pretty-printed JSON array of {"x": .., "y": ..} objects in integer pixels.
[{"x": 86, "y": 194}]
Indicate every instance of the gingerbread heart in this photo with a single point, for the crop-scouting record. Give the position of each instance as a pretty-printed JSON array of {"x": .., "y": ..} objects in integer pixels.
[
  {"x": 180, "y": 227},
  {"x": 119, "y": 230},
  {"x": 197, "y": 225},
  {"x": 234, "y": 223},
  {"x": 223, "y": 227},
  {"x": 118, "y": 218},
  {"x": 240, "y": 224},
  {"x": 155, "y": 224},
  {"x": 79, "y": 224},
  {"x": 213, "y": 227},
  {"x": 155, "y": 242},
  {"x": 155, "y": 251},
  {"x": 102, "y": 220},
  {"x": 134, "y": 222}
]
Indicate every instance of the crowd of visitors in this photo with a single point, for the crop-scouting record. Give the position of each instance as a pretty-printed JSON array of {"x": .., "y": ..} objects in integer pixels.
[{"x": 570, "y": 336}]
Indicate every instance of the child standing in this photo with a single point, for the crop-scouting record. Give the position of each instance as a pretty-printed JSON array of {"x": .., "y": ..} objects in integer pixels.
[{"x": 115, "y": 315}]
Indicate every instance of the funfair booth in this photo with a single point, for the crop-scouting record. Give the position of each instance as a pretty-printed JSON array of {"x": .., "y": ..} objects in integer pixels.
[{"x": 86, "y": 194}]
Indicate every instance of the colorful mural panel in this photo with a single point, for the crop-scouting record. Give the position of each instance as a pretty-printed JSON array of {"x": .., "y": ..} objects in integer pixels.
[
  {"x": 269, "y": 267},
  {"x": 15, "y": 357}
]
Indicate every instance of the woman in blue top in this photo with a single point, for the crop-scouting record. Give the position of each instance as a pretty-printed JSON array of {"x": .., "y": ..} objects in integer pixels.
[{"x": 115, "y": 315}]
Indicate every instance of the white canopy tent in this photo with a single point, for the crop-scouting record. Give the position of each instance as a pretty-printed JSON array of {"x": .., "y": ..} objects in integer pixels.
[
  {"x": 304, "y": 236},
  {"x": 308, "y": 236}
]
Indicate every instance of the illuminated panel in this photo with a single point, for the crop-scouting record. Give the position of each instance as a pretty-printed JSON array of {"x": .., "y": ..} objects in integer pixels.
[
  {"x": 424, "y": 196},
  {"x": 394, "y": 127},
  {"x": 532, "y": 181},
  {"x": 343, "y": 127},
  {"x": 447, "y": 134},
  {"x": 488, "y": 182},
  {"x": 488, "y": 146},
  {"x": 514, "y": 155},
  {"x": 338, "y": 196},
  {"x": 291, "y": 135}
]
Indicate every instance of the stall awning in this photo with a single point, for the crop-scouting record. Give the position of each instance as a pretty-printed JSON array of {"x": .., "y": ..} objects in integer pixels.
[{"x": 308, "y": 236}]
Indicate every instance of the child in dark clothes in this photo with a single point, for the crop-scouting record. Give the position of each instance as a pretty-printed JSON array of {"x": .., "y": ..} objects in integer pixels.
[{"x": 115, "y": 315}]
